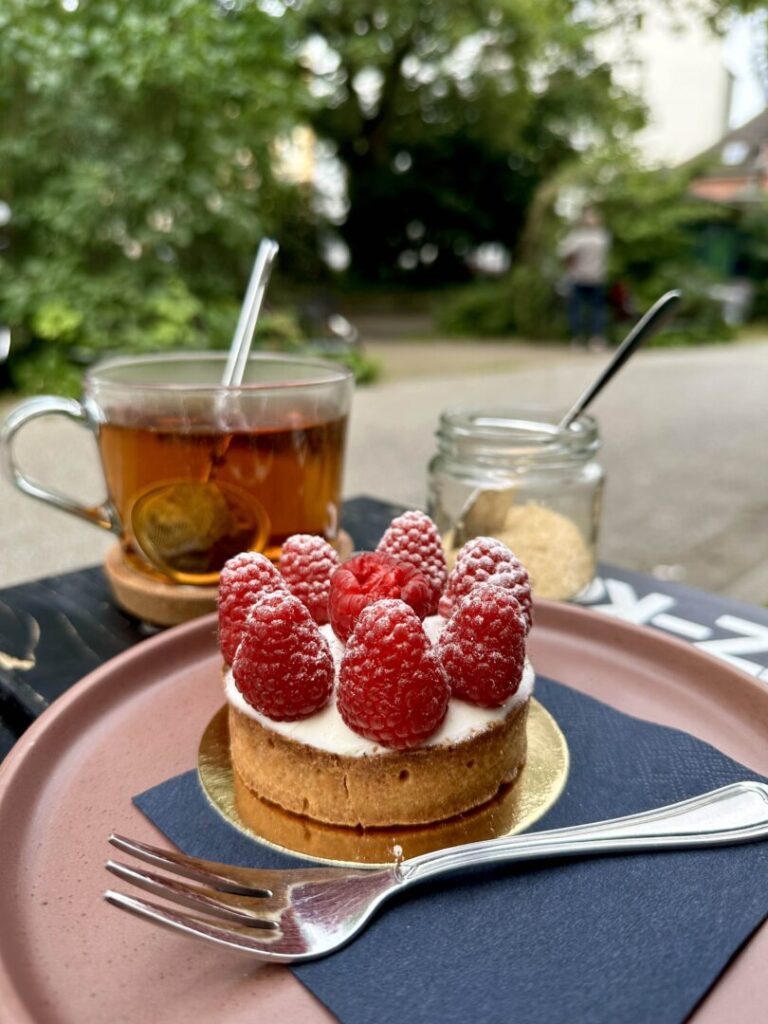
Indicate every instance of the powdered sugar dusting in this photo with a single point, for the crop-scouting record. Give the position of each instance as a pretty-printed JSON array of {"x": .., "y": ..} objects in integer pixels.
[
  {"x": 327, "y": 731},
  {"x": 391, "y": 687},
  {"x": 307, "y": 563},
  {"x": 486, "y": 560},
  {"x": 243, "y": 580},
  {"x": 413, "y": 538},
  {"x": 283, "y": 665}
]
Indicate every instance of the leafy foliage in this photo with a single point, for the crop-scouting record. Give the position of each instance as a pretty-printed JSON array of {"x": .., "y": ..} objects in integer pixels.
[
  {"x": 651, "y": 217},
  {"x": 653, "y": 222},
  {"x": 447, "y": 117},
  {"x": 136, "y": 155},
  {"x": 482, "y": 309},
  {"x": 139, "y": 144}
]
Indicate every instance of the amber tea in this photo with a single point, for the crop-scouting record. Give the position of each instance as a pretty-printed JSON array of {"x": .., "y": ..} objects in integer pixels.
[
  {"x": 189, "y": 498},
  {"x": 197, "y": 471}
]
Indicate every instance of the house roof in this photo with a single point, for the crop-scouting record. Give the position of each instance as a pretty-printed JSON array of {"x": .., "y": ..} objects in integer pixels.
[{"x": 741, "y": 153}]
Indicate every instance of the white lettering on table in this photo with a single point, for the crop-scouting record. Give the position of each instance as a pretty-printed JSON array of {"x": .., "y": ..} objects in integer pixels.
[
  {"x": 654, "y": 609},
  {"x": 752, "y": 638},
  {"x": 690, "y": 630},
  {"x": 625, "y": 604}
]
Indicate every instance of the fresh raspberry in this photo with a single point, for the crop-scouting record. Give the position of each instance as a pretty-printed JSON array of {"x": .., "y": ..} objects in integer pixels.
[
  {"x": 391, "y": 687},
  {"x": 244, "y": 579},
  {"x": 283, "y": 666},
  {"x": 482, "y": 648},
  {"x": 486, "y": 560},
  {"x": 413, "y": 538},
  {"x": 307, "y": 564},
  {"x": 372, "y": 577}
]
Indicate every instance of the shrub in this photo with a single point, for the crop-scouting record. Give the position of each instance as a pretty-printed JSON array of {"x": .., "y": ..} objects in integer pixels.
[
  {"x": 699, "y": 319},
  {"x": 538, "y": 309},
  {"x": 522, "y": 302},
  {"x": 525, "y": 304},
  {"x": 483, "y": 309},
  {"x": 137, "y": 160}
]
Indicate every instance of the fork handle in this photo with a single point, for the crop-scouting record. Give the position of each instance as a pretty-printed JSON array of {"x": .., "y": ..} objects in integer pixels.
[{"x": 734, "y": 814}]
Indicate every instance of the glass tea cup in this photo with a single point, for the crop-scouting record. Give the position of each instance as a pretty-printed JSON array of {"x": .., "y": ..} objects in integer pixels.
[{"x": 196, "y": 472}]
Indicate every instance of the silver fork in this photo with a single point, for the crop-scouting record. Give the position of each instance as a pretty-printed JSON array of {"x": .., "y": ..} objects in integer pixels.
[{"x": 300, "y": 914}]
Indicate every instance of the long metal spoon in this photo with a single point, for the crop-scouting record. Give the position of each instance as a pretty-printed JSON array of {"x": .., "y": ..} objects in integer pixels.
[
  {"x": 249, "y": 314},
  {"x": 660, "y": 313},
  {"x": 188, "y": 528},
  {"x": 488, "y": 504}
]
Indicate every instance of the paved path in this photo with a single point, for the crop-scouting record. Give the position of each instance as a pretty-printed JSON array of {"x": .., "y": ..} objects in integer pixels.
[
  {"x": 686, "y": 454},
  {"x": 409, "y": 360}
]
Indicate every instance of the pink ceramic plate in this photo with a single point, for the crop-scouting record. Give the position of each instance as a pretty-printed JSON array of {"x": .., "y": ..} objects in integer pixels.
[{"x": 66, "y": 956}]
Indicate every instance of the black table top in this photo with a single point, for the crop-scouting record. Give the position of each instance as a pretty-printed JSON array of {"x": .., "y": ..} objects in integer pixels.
[{"x": 56, "y": 630}]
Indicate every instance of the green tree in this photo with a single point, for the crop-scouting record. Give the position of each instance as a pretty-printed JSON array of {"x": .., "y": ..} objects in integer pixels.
[
  {"x": 657, "y": 228},
  {"x": 136, "y": 156},
  {"x": 446, "y": 117}
]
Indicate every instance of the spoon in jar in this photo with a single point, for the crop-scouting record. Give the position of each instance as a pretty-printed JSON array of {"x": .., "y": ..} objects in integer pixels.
[
  {"x": 188, "y": 528},
  {"x": 660, "y": 313},
  {"x": 486, "y": 508}
]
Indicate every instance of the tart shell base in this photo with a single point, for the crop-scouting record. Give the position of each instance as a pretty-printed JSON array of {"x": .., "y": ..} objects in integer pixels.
[{"x": 412, "y": 787}]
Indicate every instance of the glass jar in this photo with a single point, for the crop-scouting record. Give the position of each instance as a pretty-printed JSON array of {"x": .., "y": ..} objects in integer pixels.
[{"x": 513, "y": 474}]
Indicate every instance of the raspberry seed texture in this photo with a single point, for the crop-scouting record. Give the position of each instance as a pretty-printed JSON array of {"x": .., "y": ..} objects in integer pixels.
[
  {"x": 482, "y": 648},
  {"x": 307, "y": 563},
  {"x": 486, "y": 560},
  {"x": 413, "y": 538},
  {"x": 391, "y": 687},
  {"x": 373, "y": 577},
  {"x": 283, "y": 666},
  {"x": 243, "y": 580}
]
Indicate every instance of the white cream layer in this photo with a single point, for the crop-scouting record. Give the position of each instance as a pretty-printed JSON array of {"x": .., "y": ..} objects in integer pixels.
[{"x": 328, "y": 731}]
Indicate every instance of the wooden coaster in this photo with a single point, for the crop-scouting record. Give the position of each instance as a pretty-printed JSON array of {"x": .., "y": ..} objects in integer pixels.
[
  {"x": 162, "y": 604},
  {"x": 168, "y": 604}
]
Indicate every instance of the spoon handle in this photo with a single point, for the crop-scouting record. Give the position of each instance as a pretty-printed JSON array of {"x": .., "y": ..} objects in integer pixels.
[
  {"x": 660, "y": 313},
  {"x": 249, "y": 314}
]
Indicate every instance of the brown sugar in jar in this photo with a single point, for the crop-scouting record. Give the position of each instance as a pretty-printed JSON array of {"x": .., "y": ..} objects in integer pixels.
[{"x": 515, "y": 475}]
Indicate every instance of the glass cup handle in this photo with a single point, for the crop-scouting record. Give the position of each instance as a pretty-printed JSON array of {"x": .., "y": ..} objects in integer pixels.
[{"x": 104, "y": 515}]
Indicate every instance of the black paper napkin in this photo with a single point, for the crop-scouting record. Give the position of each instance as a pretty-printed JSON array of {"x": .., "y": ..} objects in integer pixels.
[{"x": 632, "y": 938}]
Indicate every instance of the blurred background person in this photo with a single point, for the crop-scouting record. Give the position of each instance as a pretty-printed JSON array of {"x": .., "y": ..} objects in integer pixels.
[{"x": 584, "y": 252}]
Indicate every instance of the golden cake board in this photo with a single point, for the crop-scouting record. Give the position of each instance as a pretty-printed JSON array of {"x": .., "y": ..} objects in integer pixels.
[{"x": 516, "y": 806}]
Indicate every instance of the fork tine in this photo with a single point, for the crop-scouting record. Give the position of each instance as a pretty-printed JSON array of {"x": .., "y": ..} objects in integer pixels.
[
  {"x": 223, "y": 877},
  {"x": 189, "y": 896},
  {"x": 199, "y": 928}
]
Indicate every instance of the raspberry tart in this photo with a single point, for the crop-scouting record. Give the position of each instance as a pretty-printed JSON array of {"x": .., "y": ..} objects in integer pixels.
[{"x": 352, "y": 703}]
